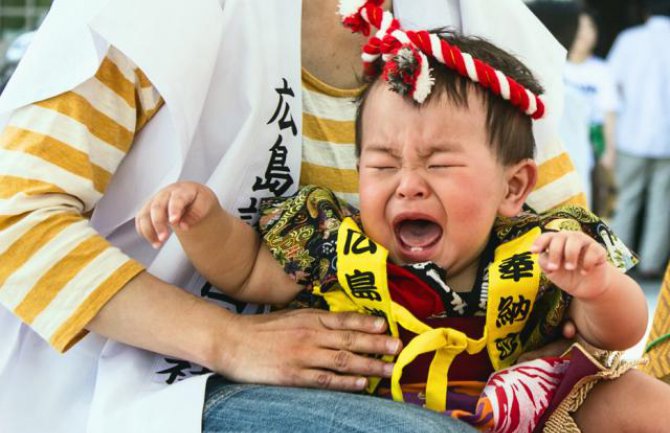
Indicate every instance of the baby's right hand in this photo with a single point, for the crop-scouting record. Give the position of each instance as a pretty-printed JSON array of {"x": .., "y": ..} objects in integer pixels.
[{"x": 180, "y": 205}]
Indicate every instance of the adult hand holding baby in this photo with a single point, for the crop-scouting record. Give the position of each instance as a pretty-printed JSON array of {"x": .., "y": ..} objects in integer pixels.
[{"x": 306, "y": 348}]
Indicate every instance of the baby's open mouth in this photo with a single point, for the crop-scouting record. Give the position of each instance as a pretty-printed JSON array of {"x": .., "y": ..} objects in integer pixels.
[{"x": 417, "y": 235}]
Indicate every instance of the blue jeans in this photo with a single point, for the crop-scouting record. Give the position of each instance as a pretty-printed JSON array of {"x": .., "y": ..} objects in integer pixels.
[{"x": 232, "y": 407}]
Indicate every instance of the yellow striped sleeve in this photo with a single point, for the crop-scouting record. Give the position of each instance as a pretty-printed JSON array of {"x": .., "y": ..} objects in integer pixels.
[
  {"x": 56, "y": 152},
  {"x": 576, "y": 200},
  {"x": 148, "y": 97},
  {"x": 56, "y": 159},
  {"x": 558, "y": 182},
  {"x": 551, "y": 170},
  {"x": 73, "y": 329}
]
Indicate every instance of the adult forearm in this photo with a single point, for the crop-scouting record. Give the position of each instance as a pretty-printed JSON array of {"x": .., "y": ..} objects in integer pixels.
[
  {"x": 310, "y": 348},
  {"x": 153, "y": 315}
]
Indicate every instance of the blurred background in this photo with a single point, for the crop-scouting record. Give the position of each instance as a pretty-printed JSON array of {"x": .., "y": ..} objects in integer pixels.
[
  {"x": 18, "y": 19},
  {"x": 18, "y": 16},
  {"x": 615, "y": 123}
]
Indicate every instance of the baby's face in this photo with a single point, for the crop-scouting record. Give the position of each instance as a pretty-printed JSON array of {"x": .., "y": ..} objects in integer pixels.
[{"x": 430, "y": 184}]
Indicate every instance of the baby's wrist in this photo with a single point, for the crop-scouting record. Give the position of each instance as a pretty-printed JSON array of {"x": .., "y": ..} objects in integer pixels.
[{"x": 597, "y": 286}]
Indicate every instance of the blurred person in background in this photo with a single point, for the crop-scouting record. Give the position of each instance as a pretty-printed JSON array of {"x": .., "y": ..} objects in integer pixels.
[
  {"x": 640, "y": 63},
  {"x": 590, "y": 76}
]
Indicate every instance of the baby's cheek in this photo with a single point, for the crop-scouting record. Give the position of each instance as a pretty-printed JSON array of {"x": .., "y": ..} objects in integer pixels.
[
  {"x": 468, "y": 211},
  {"x": 470, "y": 224},
  {"x": 372, "y": 219}
]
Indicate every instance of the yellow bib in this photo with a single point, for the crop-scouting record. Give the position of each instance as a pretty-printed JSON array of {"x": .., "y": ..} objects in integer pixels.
[{"x": 514, "y": 279}]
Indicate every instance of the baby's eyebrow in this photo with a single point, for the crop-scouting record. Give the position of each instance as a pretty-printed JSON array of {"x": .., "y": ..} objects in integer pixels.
[
  {"x": 443, "y": 147},
  {"x": 448, "y": 145},
  {"x": 381, "y": 148}
]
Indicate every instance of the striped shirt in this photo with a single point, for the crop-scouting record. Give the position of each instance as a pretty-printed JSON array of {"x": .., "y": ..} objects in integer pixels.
[{"x": 56, "y": 158}]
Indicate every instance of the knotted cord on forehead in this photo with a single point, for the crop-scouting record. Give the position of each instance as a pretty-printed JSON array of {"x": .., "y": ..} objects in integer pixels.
[{"x": 406, "y": 67}]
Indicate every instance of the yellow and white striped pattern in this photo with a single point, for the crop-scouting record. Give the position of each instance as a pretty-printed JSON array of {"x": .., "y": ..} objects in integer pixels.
[
  {"x": 558, "y": 183},
  {"x": 328, "y": 151},
  {"x": 56, "y": 158}
]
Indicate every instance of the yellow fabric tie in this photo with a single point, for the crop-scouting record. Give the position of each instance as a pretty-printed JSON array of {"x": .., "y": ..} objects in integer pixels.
[
  {"x": 514, "y": 281},
  {"x": 447, "y": 343}
]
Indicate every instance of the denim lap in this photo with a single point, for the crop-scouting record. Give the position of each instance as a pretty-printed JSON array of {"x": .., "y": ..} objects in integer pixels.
[{"x": 231, "y": 407}]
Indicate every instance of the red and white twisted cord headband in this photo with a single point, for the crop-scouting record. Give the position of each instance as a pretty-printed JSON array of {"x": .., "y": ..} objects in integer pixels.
[{"x": 409, "y": 72}]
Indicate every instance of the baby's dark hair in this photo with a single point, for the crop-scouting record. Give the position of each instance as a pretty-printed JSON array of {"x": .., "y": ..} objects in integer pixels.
[{"x": 509, "y": 130}]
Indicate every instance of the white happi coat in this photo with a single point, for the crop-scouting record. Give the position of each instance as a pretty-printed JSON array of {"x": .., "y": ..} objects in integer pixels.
[{"x": 230, "y": 74}]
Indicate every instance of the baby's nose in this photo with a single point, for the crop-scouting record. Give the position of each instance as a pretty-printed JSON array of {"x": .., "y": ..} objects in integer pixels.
[{"x": 412, "y": 185}]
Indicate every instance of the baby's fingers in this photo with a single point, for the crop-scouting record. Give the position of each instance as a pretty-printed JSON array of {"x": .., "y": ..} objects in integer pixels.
[
  {"x": 179, "y": 202},
  {"x": 145, "y": 227},
  {"x": 574, "y": 247},
  {"x": 158, "y": 212},
  {"x": 542, "y": 243},
  {"x": 552, "y": 258},
  {"x": 594, "y": 256}
]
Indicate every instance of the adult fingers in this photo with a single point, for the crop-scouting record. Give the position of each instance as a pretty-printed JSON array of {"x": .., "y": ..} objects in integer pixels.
[
  {"x": 315, "y": 378},
  {"x": 351, "y": 332},
  {"x": 352, "y": 322},
  {"x": 343, "y": 361},
  {"x": 360, "y": 342},
  {"x": 140, "y": 214}
]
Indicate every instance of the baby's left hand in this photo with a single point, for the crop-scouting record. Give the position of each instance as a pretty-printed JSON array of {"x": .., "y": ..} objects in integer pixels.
[{"x": 574, "y": 262}]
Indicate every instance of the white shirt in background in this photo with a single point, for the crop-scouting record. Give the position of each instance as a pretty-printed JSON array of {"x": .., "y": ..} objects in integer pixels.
[
  {"x": 593, "y": 79},
  {"x": 640, "y": 63},
  {"x": 574, "y": 132}
]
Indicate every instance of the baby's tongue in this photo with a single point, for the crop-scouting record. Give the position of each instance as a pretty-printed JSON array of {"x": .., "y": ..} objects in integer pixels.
[{"x": 419, "y": 233}]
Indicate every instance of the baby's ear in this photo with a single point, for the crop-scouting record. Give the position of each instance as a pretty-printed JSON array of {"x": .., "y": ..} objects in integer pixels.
[{"x": 521, "y": 178}]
